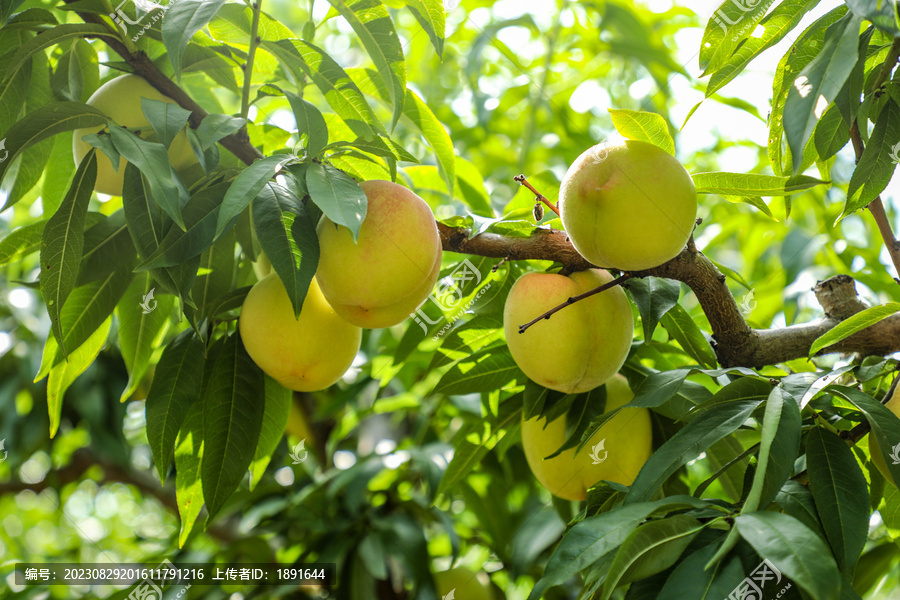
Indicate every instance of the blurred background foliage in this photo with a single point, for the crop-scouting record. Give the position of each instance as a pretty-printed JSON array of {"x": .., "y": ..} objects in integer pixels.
[{"x": 522, "y": 87}]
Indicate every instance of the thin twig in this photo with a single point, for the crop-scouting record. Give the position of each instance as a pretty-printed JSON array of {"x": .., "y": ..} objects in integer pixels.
[
  {"x": 887, "y": 66},
  {"x": 538, "y": 196},
  {"x": 570, "y": 301},
  {"x": 251, "y": 55},
  {"x": 876, "y": 206}
]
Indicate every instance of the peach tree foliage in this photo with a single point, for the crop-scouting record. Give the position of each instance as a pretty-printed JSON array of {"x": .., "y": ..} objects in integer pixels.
[{"x": 775, "y": 479}]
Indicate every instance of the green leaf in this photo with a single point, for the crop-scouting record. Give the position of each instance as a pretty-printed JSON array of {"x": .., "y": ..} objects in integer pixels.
[
  {"x": 654, "y": 297},
  {"x": 147, "y": 229},
  {"x": 181, "y": 21},
  {"x": 751, "y": 184},
  {"x": 484, "y": 371},
  {"x": 245, "y": 188},
  {"x": 62, "y": 242},
  {"x": 77, "y": 73},
  {"x": 841, "y": 494},
  {"x": 166, "y": 118},
  {"x": 430, "y": 15},
  {"x": 380, "y": 145},
  {"x": 46, "y": 122},
  {"x": 339, "y": 90},
  {"x": 175, "y": 388},
  {"x": 51, "y": 37},
  {"x": 152, "y": 160},
  {"x": 775, "y": 26},
  {"x": 818, "y": 84},
  {"x": 64, "y": 372},
  {"x": 375, "y": 29},
  {"x": 140, "y": 331},
  {"x": 275, "y": 418},
  {"x": 781, "y": 444},
  {"x": 831, "y": 134},
  {"x": 215, "y": 127},
  {"x": 804, "y": 50},
  {"x": 86, "y": 309},
  {"x": 686, "y": 445},
  {"x": 795, "y": 551},
  {"x": 215, "y": 277},
  {"x": 644, "y": 127},
  {"x": 21, "y": 242},
  {"x": 310, "y": 123},
  {"x": 200, "y": 217},
  {"x": 188, "y": 459},
  {"x": 287, "y": 234},
  {"x": 234, "y": 404},
  {"x": 879, "y": 159},
  {"x": 650, "y": 549},
  {"x": 726, "y": 30},
  {"x": 851, "y": 325},
  {"x": 472, "y": 444},
  {"x": 885, "y": 425},
  {"x": 882, "y": 14},
  {"x": 339, "y": 196},
  {"x": 592, "y": 538},
  {"x": 690, "y": 580},
  {"x": 107, "y": 247},
  {"x": 434, "y": 133},
  {"x": 682, "y": 327}
]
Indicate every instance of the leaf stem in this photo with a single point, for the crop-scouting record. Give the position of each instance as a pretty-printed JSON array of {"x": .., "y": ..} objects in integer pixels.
[
  {"x": 570, "y": 301},
  {"x": 251, "y": 55}
]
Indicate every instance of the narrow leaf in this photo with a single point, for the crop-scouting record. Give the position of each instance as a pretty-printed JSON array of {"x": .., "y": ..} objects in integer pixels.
[
  {"x": 182, "y": 20},
  {"x": 819, "y": 83},
  {"x": 857, "y": 322},
  {"x": 287, "y": 234},
  {"x": 275, "y": 418},
  {"x": 794, "y": 550},
  {"x": 62, "y": 243},
  {"x": 246, "y": 186},
  {"x": 143, "y": 321},
  {"x": 375, "y": 29},
  {"x": 841, "y": 494},
  {"x": 751, "y": 184},
  {"x": 234, "y": 404},
  {"x": 188, "y": 459},
  {"x": 64, "y": 372}
]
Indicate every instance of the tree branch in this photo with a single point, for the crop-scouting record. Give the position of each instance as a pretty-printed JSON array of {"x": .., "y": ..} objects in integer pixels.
[
  {"x": 238, "y": 143},
  {"x": 735, "y": 342}
]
